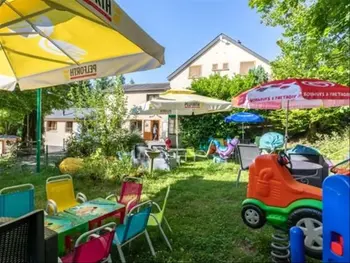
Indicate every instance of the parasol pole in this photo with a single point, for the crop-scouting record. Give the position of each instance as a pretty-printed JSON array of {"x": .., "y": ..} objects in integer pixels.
[
  {"x": 286, "y": 131},
  {"x": 38, "y": 129}
]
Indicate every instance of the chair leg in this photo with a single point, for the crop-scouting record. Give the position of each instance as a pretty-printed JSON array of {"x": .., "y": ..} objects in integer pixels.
[
  {"x": 121, "y": 254},
  {"x": 167, "y": 223},
  {"x": 165, "y": 237},
  {"x": 150, "y": 243},
  {"x": 239, "y": 175},
  {"x": 109, "y": 259}
]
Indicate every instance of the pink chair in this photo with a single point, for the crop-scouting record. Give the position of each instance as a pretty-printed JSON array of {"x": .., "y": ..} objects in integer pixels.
[
  {"x": 130, "y": 194},
  {"x": 97, "y": 247}
]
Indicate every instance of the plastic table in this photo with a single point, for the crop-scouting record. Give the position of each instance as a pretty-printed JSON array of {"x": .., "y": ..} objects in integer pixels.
[
  {"x": 97, "y": 210},
  {"x": 68, "y": 228}
]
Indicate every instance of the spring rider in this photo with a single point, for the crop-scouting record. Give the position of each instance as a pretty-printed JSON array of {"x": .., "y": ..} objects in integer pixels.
[
  {"x": 274, "y": 197},
  {"x": 336, "y": 221}
]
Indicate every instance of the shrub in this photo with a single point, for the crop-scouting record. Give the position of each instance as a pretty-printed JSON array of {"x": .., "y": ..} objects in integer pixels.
[
  {"x": 99, "y": 167},
  {"x": 71, "y": 165}
]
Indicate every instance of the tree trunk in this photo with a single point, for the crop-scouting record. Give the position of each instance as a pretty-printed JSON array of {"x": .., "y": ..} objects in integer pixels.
[{"x": 29, "y": 132}]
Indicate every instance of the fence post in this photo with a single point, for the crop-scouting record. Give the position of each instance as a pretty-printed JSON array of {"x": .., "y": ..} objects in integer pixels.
[{"x": 47, "y": 155}]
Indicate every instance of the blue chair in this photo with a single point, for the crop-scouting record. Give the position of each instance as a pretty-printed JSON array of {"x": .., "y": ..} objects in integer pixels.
[
  {"x": 16, "y": 201},
  {"x": 134, "y": 226}
]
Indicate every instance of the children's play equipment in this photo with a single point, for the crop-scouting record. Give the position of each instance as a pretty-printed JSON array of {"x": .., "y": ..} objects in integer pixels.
[
  {"x": 342, "y": 167},
  {"x": 336, "y": 223},
  {"x": 274, "y": 197},
  {"x": 271, "y": 141},
  {"x": 224, "y": 153}
]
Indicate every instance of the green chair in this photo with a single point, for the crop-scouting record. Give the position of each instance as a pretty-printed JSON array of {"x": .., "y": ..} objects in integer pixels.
[
  {"x": 156, "y": 219},
  {"x": 192, "y": 153}
]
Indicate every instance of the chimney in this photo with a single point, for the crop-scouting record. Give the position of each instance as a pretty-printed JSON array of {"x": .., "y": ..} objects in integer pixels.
[{"x": 239, "y": 41}]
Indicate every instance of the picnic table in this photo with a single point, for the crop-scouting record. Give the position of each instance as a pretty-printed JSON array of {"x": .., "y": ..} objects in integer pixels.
[
  {"x": 68, "y": 228},
  {"x": 97, "y": 210}
]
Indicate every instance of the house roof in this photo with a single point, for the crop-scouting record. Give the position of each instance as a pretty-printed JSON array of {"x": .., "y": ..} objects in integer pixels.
[
  {"x": 68, "y": 114},
  {"x": 146, "y": 87},
  {"x": 210, "y": 45}
]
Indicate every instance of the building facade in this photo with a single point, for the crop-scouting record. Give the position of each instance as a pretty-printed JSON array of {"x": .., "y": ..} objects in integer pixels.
[{"x": 223, "y": 56}]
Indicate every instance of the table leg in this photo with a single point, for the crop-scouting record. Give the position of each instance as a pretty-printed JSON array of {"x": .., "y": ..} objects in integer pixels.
[{"x": 122, "y": 215}]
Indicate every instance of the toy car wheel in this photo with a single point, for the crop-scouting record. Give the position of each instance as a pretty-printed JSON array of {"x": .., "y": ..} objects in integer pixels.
[
  {"x": 310, "y": 222},
  {"x": 253, "y": 216}
]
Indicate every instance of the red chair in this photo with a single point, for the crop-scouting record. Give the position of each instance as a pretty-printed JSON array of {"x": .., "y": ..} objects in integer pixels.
[
  {"x": 130, "y": 194},
  {"x": 97, "y": 247}
]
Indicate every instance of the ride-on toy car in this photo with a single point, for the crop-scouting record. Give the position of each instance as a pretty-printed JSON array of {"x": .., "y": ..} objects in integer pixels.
[{"x": 275, "y": 197}]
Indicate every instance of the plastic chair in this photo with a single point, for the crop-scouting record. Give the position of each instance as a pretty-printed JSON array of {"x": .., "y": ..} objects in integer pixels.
[
  {"x": 246, "y": 155},
  {"x": 96, "y": 248},
  {"x": 192, "y": 153},
  {"x": 156, "y": 219},
  {"x": 135, "y": 226},
  {"x": 16, "y": 201},
  {"x": 130, "y": 194},
  {"x": 60, "y": 194},
  {"x": 22, "y": 240}
]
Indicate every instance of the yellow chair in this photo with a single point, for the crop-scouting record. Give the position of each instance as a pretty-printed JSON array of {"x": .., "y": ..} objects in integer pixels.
[{"x": 60, "y": 194}]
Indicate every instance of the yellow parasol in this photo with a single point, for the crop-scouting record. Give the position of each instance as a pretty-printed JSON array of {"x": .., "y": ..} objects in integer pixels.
[{"x": 50, "y": 42}]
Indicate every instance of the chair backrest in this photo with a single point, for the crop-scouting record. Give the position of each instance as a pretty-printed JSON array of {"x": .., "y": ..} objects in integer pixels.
[
  {"x": 22, "y": 240},
  {"x": 136, "y": 220},
  {"x": 140, "y": 151},
  {"x": 60, "y": 189},
  {"x": 131, "y": 189},
  {"x": 16, "y": 201},
  {"x": 97, "y": 246},
  {"x": 165, "y": 199},
  {"x": 246, "y": 154},
  {"x": 190, "y": 152}
]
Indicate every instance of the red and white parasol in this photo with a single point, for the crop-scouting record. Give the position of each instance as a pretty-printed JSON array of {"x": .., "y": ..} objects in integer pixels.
[{"x": 294, "y": 94}]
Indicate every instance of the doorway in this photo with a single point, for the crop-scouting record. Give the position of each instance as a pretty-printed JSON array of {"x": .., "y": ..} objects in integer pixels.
[{"x": 148, "y": 129}]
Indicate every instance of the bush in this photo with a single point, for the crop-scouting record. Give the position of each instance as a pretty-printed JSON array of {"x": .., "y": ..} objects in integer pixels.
[
  {"x": 71, "y": 165},
  {"x": 335, "y": 146},
  {"x": 99, "y": 167}
]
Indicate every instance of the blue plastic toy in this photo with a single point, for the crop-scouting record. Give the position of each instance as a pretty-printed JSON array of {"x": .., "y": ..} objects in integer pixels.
[
  {"x": 16, "y": 201},
  {"x": 336, "y": 222}
]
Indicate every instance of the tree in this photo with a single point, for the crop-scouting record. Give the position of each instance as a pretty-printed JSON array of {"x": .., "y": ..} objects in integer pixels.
[
  {"x": 224, "y": 87},
  {"x": 121, "y": 79},
  {"x": 316, "y": 39},
  {"x": 316, "y": 44},
  {"x": 196, "y": 130},
  {"x": 131, "y": 82},
  {"x": 22, "y": 105},
  {"x": 102, "y": 125}
]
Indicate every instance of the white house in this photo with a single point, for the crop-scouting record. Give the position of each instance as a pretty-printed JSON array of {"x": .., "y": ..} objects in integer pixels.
[
  {"x": 137, "y": 94},
  {"x": 59, "y": 126},
  {"x": 223, "y": 56}
]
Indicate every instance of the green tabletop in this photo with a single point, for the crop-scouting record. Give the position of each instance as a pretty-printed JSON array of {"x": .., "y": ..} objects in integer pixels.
[
  {"x": 63, "y": 222},
  {"x": 95, "y": 209}
]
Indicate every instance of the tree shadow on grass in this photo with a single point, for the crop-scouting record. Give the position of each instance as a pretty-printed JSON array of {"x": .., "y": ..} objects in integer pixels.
[{"x": 205, "y": 217}]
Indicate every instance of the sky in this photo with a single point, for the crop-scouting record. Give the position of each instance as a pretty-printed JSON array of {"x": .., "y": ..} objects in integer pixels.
[{"x": 183, "y": 27}]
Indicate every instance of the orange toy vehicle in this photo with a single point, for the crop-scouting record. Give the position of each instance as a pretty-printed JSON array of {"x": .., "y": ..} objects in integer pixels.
[{"x": 274, "y": 196}]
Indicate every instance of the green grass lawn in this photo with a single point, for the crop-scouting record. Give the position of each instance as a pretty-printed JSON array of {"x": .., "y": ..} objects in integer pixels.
[{"x": 203, "y": 210}]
